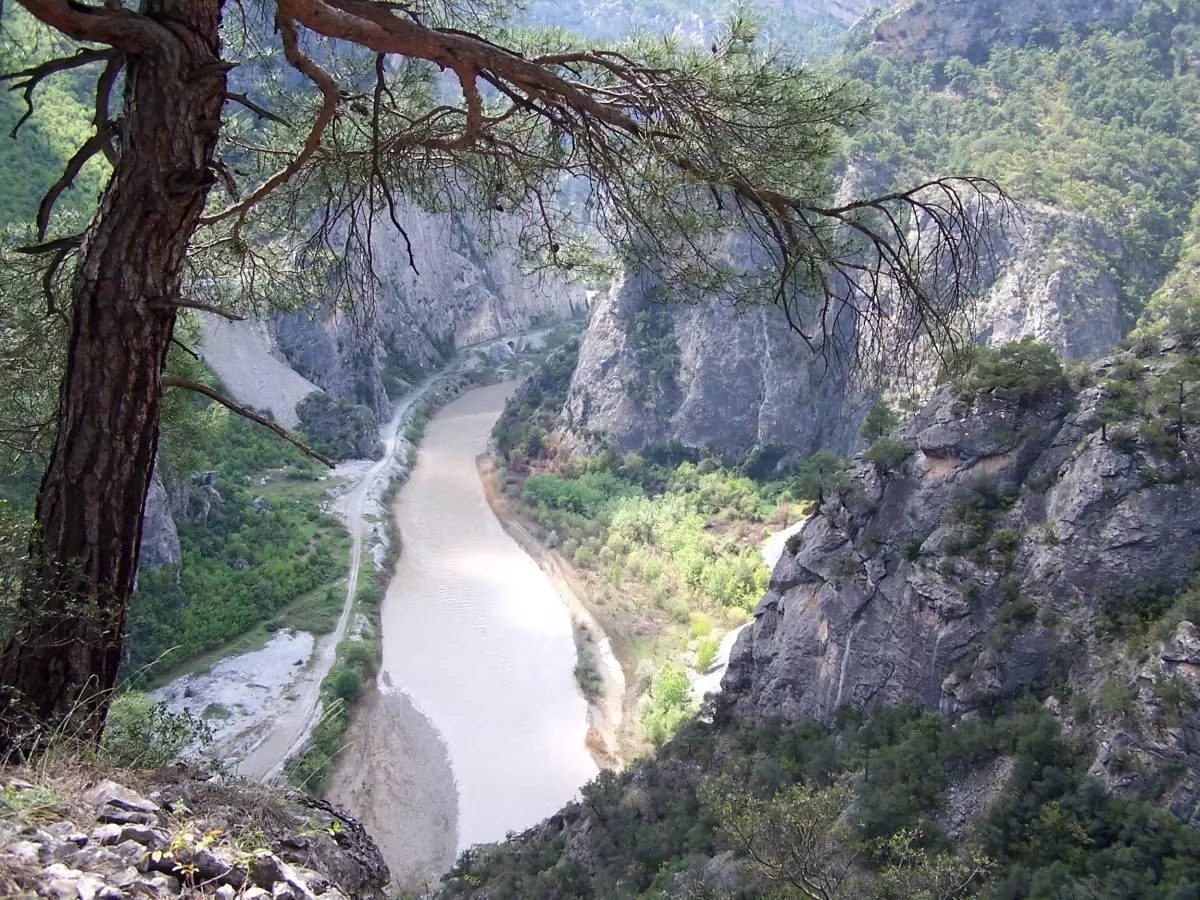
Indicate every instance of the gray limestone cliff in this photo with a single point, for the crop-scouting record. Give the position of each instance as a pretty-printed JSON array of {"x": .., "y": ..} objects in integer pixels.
[
  {"x": 411, "y": 322},
  {"x": 936, "y": 30},
  {"x": 990, "y": 563},
  {"x": 650, "y": 375},
  {"x": 160, "y": 540},
  {"x": 703, "y": 376}
]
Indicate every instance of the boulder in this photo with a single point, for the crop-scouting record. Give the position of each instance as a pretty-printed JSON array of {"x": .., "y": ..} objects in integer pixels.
[
  {"x": 118, "y": 805},
  {"x": 343, "y": 430}
]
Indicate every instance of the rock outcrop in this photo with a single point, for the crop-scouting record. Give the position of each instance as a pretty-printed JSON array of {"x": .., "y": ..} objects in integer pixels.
[
  {"x": 186, "y": 834},
  {"x": 983, "y": 567},
  {"x": 703, "y": 376},
  {"x": 707, "y": 375},
  {"x": 1049, "y": 283},
  {"x": 936, "y": 30},
  {"x": 342, "y": 430},
  {"x": 160, "y": 540}
]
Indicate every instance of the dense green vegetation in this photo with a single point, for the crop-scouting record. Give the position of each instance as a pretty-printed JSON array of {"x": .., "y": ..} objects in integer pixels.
[
  {"x": 241, "y": 567},
  {"x": 1094, "y": 120},
  {"x": 668, "y": 551},
  {"x": 60, "y": 123},
  {"x": 1051, "y": 832}
]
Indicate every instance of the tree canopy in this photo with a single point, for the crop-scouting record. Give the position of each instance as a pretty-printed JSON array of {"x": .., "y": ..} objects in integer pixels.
[{"x": 256, "y": 147}]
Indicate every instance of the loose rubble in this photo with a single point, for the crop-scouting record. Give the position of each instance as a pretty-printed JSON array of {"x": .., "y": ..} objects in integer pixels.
[{"x": 189, "y": 833}]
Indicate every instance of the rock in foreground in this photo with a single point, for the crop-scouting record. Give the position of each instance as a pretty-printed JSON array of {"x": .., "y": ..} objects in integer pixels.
[{"x": 86, "y": 837}]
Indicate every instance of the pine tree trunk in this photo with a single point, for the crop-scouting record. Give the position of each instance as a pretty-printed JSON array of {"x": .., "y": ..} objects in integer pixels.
[{"x": 59, "y": 669}]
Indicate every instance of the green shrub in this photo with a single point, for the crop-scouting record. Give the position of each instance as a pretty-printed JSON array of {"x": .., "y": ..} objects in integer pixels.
[
  {"x": 821, "y": 477},
  {"x": 1023, "y": 612},
  {"x": 587, "y": 674},
  {"x": 1116, "y": 697},
  {"x": 666, "y": 704},
  {"x": 1124, "y": 440},
  {"x": 1158, "y": 439},
  {"x": 880, "y": 421},
  {"x": 343, "y": 683},
  {"x": 910, "y": 549},
  {"x": 887, "y": 455},
  {"x": 701, "y": 626},
  {"x": 142, "y": 734},
  {"x": 706, "y": 653},
  {"x": 1021, "y": 373},
  {"x": 360, "y": 656},
  {"x": 844, "y": 566}
]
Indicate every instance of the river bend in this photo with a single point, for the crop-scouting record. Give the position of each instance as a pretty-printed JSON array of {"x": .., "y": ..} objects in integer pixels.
[{"x": 475, "y": 635}]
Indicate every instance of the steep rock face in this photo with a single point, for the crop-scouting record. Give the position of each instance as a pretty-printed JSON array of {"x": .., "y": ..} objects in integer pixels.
[
  {"x": 342, "y": 430},
  {"x": 979, "y": 569},
  {"x": 938, "y": 29},
  {"x": 649, "y": 375},
  {"x": 1054, "y": 281},
  {"x": 708, "y": 375},
  {"x": 160, "y": 540},
  {"x": 410, "y": 323}
]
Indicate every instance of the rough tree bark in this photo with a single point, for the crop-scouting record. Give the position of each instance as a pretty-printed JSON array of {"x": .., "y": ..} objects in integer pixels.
[{"x": 61, "y": 666}]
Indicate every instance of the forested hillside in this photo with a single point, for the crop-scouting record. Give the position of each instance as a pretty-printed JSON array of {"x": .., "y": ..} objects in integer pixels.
[
  {"x": 1103, "y": 120},
  {"x": 63, "y": 108}
]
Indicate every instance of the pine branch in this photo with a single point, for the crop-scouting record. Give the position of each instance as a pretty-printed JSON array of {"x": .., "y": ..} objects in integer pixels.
[
  {"x": 104, "y": 86},
  {"x": 188, "y": 384},
  {"x": 303, "y": 63},
  {"x": 260, "y": 111},
  {"x": 120, "y": 28},
  {"x": 93, "y": 145}
]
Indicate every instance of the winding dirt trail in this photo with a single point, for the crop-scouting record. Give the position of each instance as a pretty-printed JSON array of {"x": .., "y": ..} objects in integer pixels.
[{"x": 293, "y": 723}]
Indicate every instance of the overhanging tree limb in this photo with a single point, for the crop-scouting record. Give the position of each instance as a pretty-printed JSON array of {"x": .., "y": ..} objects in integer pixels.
[
  {"x": 169, "y": 381},
  {"x": 93, "y": 145},
  {"x": 120, "y": 28},
  {"x": 304, "y": 64}
]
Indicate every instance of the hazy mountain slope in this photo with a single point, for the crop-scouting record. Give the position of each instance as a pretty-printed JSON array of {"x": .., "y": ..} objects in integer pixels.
[{"x": 1085, "y": 112}]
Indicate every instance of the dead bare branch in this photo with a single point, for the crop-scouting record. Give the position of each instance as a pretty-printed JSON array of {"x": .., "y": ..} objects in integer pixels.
[
  {"x": 34, "y": 76},
  {"x": 180, "y": 303},
  {"x": 104, "y": 86},
  {"x": 93, "y": 145}
]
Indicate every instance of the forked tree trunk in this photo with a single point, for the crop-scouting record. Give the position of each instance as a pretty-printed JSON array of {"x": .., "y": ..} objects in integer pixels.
[{"x": 59, "y": 669}]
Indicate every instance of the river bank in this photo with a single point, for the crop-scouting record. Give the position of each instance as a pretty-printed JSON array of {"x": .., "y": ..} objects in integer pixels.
[
  {"x": 661, "y": 626},
  {"x": 476, "y": 688},
  {"x": 611, "y": 705}
]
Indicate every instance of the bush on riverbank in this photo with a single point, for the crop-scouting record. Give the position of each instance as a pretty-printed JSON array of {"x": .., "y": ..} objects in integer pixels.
[
  {"x": 655, "y": 545},
  {"x": 245, "y": 570}
]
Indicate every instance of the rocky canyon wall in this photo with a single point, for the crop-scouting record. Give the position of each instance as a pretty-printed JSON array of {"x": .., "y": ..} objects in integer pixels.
[{"x": 706, "y": 375}]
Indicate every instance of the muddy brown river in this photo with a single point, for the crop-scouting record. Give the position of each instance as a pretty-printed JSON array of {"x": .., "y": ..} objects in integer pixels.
[{"x": 476, "y": 637}]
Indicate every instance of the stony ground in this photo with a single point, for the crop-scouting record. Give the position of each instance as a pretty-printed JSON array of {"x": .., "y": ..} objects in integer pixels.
[{"x": 83, "y": 836}]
